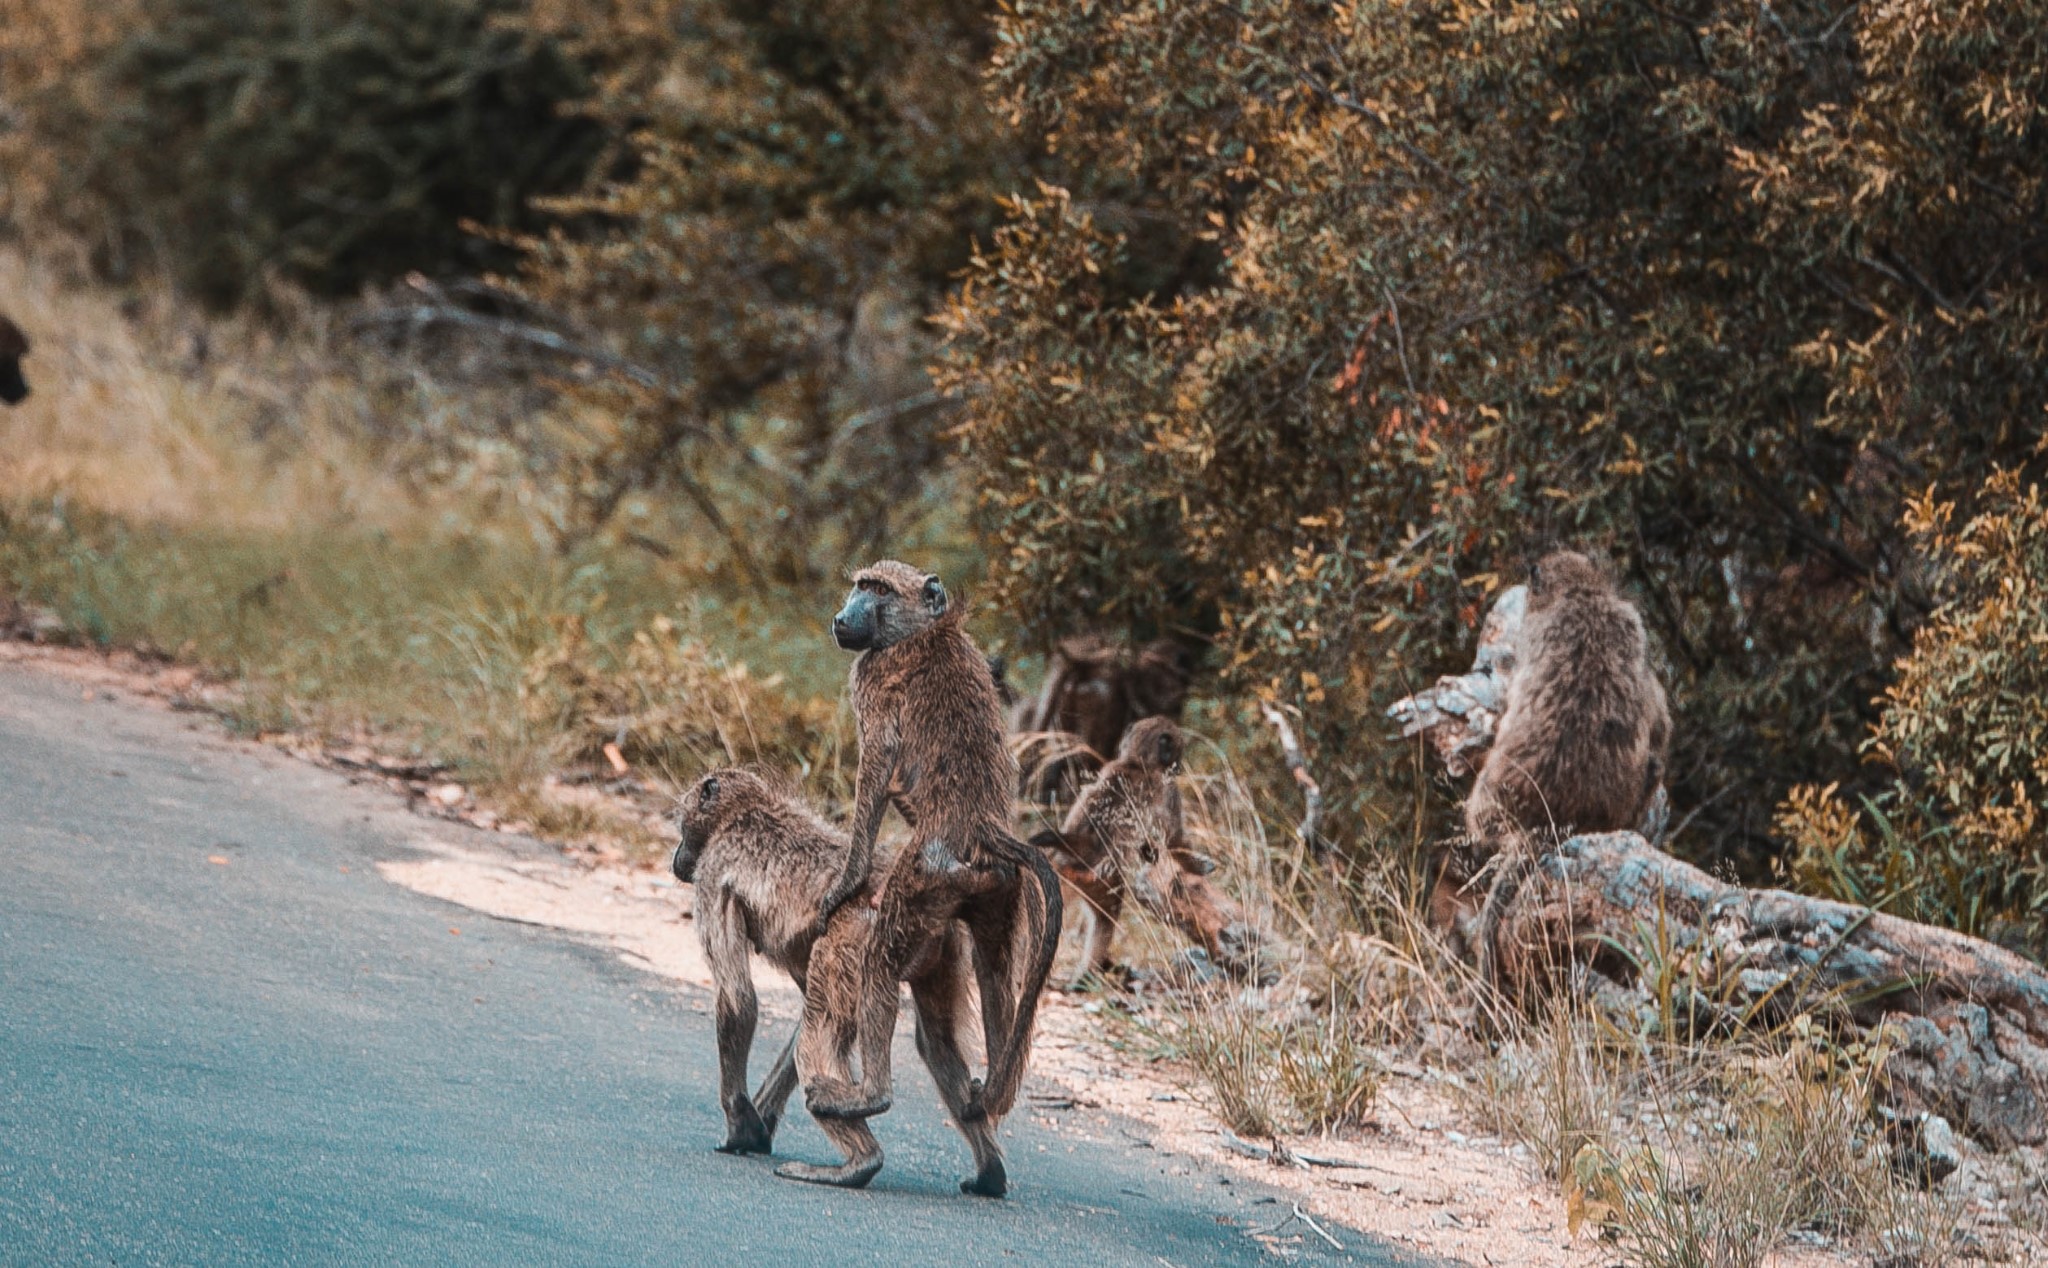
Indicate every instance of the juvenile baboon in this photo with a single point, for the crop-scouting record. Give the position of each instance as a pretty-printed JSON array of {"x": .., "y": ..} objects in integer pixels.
[
  {"x": 1094, "y": 691},
  {"x": 1581, "y": 742},
  {"x": 931, "y": 743},
  {"x": 1125, "y": 837},
  {"x": 761, "y": 861},
  {"x": 13, "y": 347}
]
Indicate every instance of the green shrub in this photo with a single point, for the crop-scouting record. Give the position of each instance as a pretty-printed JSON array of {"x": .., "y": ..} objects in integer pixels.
[
  {"x": 808, "y": 177},
  {"x": 330, "y": 143},
  {"x": 1956, "y": 836}
]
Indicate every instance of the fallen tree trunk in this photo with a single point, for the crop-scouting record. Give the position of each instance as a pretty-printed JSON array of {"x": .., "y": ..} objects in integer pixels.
[{"x": 1968, "y": 1020}]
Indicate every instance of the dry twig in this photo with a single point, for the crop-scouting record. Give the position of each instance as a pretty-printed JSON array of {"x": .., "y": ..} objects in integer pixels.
[{"x": 1310, "y": 831}]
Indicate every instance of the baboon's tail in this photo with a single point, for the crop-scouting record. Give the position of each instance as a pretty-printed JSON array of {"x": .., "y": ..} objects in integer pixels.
[
  {"x": 1513, "y": 858},
  {"x": 1034, "y": 940}
]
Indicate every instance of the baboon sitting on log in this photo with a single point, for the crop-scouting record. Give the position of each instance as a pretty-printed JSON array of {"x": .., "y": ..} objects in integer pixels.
[
  {"x": 13, "y": 347},
  {"x": 1581, "y": 744},
  {"x": 1125, "y": 837},
  {"x": 1094, "y": 691},
  {"x": 761, "y": 861},
  {"x": 931, "y": 743}
]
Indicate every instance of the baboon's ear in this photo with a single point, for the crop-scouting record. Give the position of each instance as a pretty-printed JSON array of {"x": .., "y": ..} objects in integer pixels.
[
  {"x": 1169, "y": 749},
  {"x": 707, "y": 792},
  {"x": 934, "y": 595}
]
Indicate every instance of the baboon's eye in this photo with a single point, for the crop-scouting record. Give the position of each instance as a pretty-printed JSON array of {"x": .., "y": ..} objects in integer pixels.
[
  {"x": 1148, "y": 852},
  {"x": 871, "y": 585}
]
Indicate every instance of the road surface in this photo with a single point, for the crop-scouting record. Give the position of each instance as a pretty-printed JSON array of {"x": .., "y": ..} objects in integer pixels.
[{"x": 225, "y": 1039}]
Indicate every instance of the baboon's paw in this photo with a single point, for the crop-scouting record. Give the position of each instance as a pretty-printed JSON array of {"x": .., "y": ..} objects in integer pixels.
[
  {"x": 746, "y": 1133},
  {"x": 852, "y": 1175},
  {"x": 992, "y": 1182}
]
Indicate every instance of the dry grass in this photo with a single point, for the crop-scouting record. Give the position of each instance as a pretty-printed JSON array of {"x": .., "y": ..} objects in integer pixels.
[
  {"x": 347, "y": 531},
  {"x": 1679, "y": 1148}
]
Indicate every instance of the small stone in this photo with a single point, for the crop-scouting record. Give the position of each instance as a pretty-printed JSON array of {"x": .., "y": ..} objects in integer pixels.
[
  {"x": 1924, "y": 1147},
  {"x": 449, "y": 795}
]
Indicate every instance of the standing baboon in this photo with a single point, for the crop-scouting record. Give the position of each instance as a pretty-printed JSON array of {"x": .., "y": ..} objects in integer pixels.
[
  {"x": 13, "y": 347},
  {"x": 1580, "y": 745},
  {"x": 1125, "y": 837},
  {"x": 931, "y": 743},
  {"x": 761, "y": 862},
  {"x": 1094, "y": 691}
]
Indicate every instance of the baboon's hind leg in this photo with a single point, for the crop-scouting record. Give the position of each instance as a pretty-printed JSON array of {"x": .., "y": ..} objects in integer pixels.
[{"x": 940, "y": 996}]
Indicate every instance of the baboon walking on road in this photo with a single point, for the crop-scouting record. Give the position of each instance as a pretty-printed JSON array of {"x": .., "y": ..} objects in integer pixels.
[
  {"x": 1582, "y": 741},
  {"x": 13, "y": 347},
  {"x": 931, "y": 743},
  {"x": 761, "y": 862},
  {"x": 1125, "y": 837}
]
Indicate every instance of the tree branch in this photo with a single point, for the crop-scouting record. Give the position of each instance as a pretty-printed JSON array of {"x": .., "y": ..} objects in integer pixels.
[{"x": 1310, "y": 831}]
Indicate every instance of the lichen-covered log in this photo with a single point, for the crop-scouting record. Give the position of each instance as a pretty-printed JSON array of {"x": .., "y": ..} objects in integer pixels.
[
  {"x": 1968, "y": 1020},
  {"x": 1457, "y": 716}
]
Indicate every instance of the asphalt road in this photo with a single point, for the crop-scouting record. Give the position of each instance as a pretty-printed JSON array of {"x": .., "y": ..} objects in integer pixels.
[{"x": 282, "y": 1058}]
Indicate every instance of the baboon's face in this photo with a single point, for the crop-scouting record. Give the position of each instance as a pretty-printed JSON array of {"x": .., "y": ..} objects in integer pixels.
[
  {"x": 1156, "y": 742},
  {"x": 696, "y": 816},
  {"x": 889, "y": 602},
  {"x": 13, "y": 347}
]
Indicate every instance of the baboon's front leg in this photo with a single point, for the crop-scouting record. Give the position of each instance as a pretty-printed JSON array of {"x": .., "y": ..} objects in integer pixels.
[
  {"x": 1102, "y": 905},
  {"x": 736, "y": 1013},
  {"x": 878, "y": 753}
]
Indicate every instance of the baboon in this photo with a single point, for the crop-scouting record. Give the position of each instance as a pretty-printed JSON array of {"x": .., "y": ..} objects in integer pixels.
[
  {"x": 13, "y": 347},
  {"x": 1581, "y": 742},
  {"x": 1094, "y": 691},
  {"x": 931, "y": 743},
  {"x": 761, "y": 861},
  {"x": 1125, "y": 837}
]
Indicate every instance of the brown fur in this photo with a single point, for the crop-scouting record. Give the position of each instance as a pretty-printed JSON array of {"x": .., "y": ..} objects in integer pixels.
[
  {"x": 1125, "y": 837},
  {"x": 760, "y": 862},
  {"x": 13, "y": 347},
  {"x": 931, "y": 744},
  {"x": 1581, "y": 744},
  {"x": 1094, "y": 692}
]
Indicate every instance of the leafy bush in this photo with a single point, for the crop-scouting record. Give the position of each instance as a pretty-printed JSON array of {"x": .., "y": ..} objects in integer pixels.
[
  {"x": 1702, "y": 286},
  {"x": 327, "y": 142},
  {"x": 1956, "y": 836},
  {"x": 808, "y": 177}
]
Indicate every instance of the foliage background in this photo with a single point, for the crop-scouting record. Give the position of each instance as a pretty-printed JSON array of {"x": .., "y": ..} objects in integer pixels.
[
  {"x": 1707, "y": 287},
  {"x": 1300, "y": 326}
]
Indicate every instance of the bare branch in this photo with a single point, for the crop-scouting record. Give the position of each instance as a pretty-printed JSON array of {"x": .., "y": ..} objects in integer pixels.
[
  {"x": 1310, "y": 831},
  {"x": 421, "y": 316}
]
